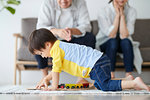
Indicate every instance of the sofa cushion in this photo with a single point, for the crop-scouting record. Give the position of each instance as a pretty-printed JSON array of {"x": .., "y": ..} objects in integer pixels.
[
  {"x": 145, "y": 52},
  {"x": 95, "y": 27},
  {"x": 25, "y": 55},
  {"x": 142, "y": 32},
  {"x": 28, "y": 25}
]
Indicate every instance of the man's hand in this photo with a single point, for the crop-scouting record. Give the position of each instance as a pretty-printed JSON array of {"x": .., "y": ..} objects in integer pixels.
[
  {"x": 69, "y": 32},
  {"x": 62, "y": 33}
]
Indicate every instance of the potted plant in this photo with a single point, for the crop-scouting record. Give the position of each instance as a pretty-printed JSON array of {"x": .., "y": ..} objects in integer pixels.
[{"x": 7, "y": 4}]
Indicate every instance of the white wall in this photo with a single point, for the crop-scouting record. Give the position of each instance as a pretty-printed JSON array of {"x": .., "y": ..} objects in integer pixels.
[
  {"x": 10, "y": 24},
  {"x": 142, "y": 7}
]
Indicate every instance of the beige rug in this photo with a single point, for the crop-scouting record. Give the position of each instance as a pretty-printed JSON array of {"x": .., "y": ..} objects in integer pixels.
[{"x": 25, "y": 90}]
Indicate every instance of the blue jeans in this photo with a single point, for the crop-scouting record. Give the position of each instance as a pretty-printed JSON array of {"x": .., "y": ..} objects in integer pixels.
[
  {"x": 88, "y": 40},
  {"x": 112, "y": 46},
  {"x": 101, "y": 74}
]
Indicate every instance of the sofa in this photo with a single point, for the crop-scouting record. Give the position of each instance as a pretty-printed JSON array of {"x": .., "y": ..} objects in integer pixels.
[{"x": 142, "y": 34}]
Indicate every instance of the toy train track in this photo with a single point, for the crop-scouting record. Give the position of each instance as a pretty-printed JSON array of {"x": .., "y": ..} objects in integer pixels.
[{"x": 73, "y": 86}]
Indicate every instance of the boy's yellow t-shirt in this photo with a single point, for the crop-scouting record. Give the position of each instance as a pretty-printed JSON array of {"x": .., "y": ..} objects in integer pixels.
[{"x": 77, "y": 60}]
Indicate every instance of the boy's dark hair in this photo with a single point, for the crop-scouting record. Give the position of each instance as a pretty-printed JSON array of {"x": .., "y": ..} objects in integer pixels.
[
  {"x": 38, "y": 38},
  {"x": 110, "y": 1}
]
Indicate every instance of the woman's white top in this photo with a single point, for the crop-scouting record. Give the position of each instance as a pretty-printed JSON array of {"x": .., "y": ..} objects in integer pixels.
[
  {"x": 76, "y": 16},
  {"x": 105, "y": 20}
]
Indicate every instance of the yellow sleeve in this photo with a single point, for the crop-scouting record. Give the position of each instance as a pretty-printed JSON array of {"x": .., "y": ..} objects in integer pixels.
[{"x": 57, "y": 59}]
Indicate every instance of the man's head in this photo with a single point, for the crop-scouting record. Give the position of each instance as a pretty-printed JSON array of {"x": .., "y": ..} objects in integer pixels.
[{"x": 41, "y": 41}]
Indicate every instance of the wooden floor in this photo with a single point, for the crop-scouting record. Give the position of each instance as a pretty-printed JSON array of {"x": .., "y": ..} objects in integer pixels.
[{"x": 73, "y": 97}]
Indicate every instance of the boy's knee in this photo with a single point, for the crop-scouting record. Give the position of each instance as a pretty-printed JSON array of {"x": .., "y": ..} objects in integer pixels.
[
  {"x": 102, "y": 87},
  {"x": 105, "y": 88}
]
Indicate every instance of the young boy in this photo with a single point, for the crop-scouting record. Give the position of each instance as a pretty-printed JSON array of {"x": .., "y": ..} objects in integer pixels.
[{"x": 77, "y": 60}]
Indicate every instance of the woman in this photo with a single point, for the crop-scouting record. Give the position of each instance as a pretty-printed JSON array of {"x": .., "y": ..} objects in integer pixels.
[{"x": 116, "y": 24}]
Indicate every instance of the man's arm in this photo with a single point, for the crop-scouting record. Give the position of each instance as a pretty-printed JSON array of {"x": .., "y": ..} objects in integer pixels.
[
  {"x": 46, "y": 16},
  {"x": 83, "y": 20}
]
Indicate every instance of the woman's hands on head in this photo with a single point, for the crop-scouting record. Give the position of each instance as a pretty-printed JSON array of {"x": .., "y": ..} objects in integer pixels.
[
  {"x": 116, "y": 6},
  {"x": 119, "y": 9}
]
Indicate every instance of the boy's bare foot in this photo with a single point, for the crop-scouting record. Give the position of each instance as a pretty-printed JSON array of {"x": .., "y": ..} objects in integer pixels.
[
  {"x": 82, "y": 80},
  {"x": 128, "y": 73},
  {"x": 140, "y": 85},
  {"x": 129, "y": 77}
]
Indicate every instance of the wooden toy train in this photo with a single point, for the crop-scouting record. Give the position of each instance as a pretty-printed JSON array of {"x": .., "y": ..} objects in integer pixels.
[{"x": 72, "y": 86}]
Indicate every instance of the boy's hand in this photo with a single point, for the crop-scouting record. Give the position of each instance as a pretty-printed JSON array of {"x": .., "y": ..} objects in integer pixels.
[
  {"x": 37, "y": 86},
  {"x": 50, "y": 89},
  {"x": 43, "y": 83},
  {"x": 55, "y": 82}
]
